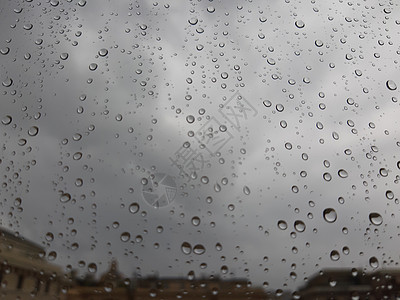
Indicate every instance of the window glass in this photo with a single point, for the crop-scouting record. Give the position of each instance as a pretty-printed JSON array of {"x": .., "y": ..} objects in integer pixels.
[{"x": 199, "y": 149}]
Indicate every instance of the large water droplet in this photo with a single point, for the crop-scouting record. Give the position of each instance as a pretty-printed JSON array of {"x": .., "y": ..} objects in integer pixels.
[
  {"x": 282, "y": 225},
  {"x": 342, "y": 173},
  {"x": 134, "y": 208},
  {"x": 199, "y": 249},
  {"x": 335, "y": 255},
  {"x": 196, "y": 221},
  {"x": 373, "y": 262},
  {"x": 299, "y": 226},
  {"x": 33, "y": 131},
  {"x": 6, "y": 120},
  {"x": 391, "y": 85},
  {"x": 92, "y": 268},
  {"x": 299, "y": 24},
  {"x": 125, "y": 236},
  {"x": 186, "y": 248},
  {"x": 103, "y": 52},
  {"x": 375, "y": 218},
  {"x": 329, "y": 215}
]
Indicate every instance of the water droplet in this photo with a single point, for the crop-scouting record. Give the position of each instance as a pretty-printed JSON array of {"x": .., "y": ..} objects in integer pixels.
[
  {"x": 383, "y": 172},
  {"x": 389, "y": 195},
  {"x": 391, "y": 85},
  {"x": 82, "y": 3},
  {"x": 65, "y": 197},
  {"x": 77, "y": 156},
  {"x": 299, "y": 24},
  {"x": 224, "y": 75},
  {"x": 246, "y": 190},
  {"x": 49, "y": 236},
  {"x": 375, "y": 218},
  {"x": 335, "y": 255},
  {"x": 329, "y": 215},
  {"x": 7, "y": 82},
  {"x": 373, "y": 262},
  {"x": 52, "y": 255},
  {"x": 92, "y": 66},
  {"x": 186, "y": 248},
  {"x": 279, "y": 107},
  {"x": 190, "y": 119},
  {"x": 327, "y": 176},
  {"x": 199, "y": 249},
  {"x": 33, "y": 131},
  {"x": 282, "y": 225},
  {"x": 118, "y": 117},
  {"x": 125, "y": 236},
  {"x": 342, "y": 173},
  {"x": 92, "y": 268},
  {"x": 299, "y": 226},
  {"x": 5, "y": 50},
  {"x": 193, "y": 21},
  {"x": 231, "y": 207},
  {"x": 319, "y": 43},
  {"x": 211, "y": 9},
  {"x": 204, "y": 179},
  {"x": 6, "y": 120},
  {"x": 134, "y": 208},
  {"x": 195, "y": 221},
  {"x": 267, "y": 103},
  {"x": 103, "y": 52}
]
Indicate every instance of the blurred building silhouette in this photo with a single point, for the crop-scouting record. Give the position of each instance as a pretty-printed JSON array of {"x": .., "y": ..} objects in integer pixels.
[
  {"x": 352, "y": 284},
  {"x": 24, "y": 273}
]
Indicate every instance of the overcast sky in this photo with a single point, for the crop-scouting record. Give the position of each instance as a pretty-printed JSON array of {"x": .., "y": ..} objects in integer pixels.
[{"x": 271, "y": 78}]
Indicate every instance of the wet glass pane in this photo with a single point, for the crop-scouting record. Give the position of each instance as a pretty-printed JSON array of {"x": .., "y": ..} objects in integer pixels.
[{"x": 199, "y": 149}]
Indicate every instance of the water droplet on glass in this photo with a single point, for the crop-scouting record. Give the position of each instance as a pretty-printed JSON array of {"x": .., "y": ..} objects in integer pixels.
[
  {"x": 134, "y": 208},
  {"x": 327, "y": 176},
  {"x": 246, "y": 190},
  {"x": 342, "y": 173},
  {"x": 383, "y": 172},
  {"x": 329, "y": 215},
  {"x": 33, "y": 131},
  {"x": 103, "y": 52},
  {"x": 4, "y": 51},
  {"x": 199, "y": 249},
  {"x": 92, "y": 268},
  {"x": 335, "y": 255},
  {"x": 190, "y": 119},
  {"x": 125, "y": 236},
  {"x": 7, "y": 82},
  {"x": 193, "y": 21},
  {"x": 65, "y": 197},
  {"x": 211, "y": 9},
  {"x": 299, "y": 226},
  {"x": 373, "y": 262},
  {"x": 375, "y": 218},
  {"x": 92, "y": 66},
  {"x": 389, "y": 195},
  {"x": 195, "y": 221},
  {"x": 391, "y": 85},
  {"x": 282, "y": 225},
  {"x": 186, "y": 248},
  {"x": 6, "y": 120},
  {"x": 82, "y": 3},
  {"x": 204, "y": 179},
  {"x": 299, "y": 24}
]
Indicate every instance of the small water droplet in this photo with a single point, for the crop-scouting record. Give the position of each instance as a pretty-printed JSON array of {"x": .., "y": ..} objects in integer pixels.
[
  {"x": 92, "y": 66},
  {"x": 299, "y": 24},
  {"x": 246, "y": 190},
  {"x": 6, "y": 120},
  {"x": 195, "y": 221},
  {"x": 92, "y": 268}
]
